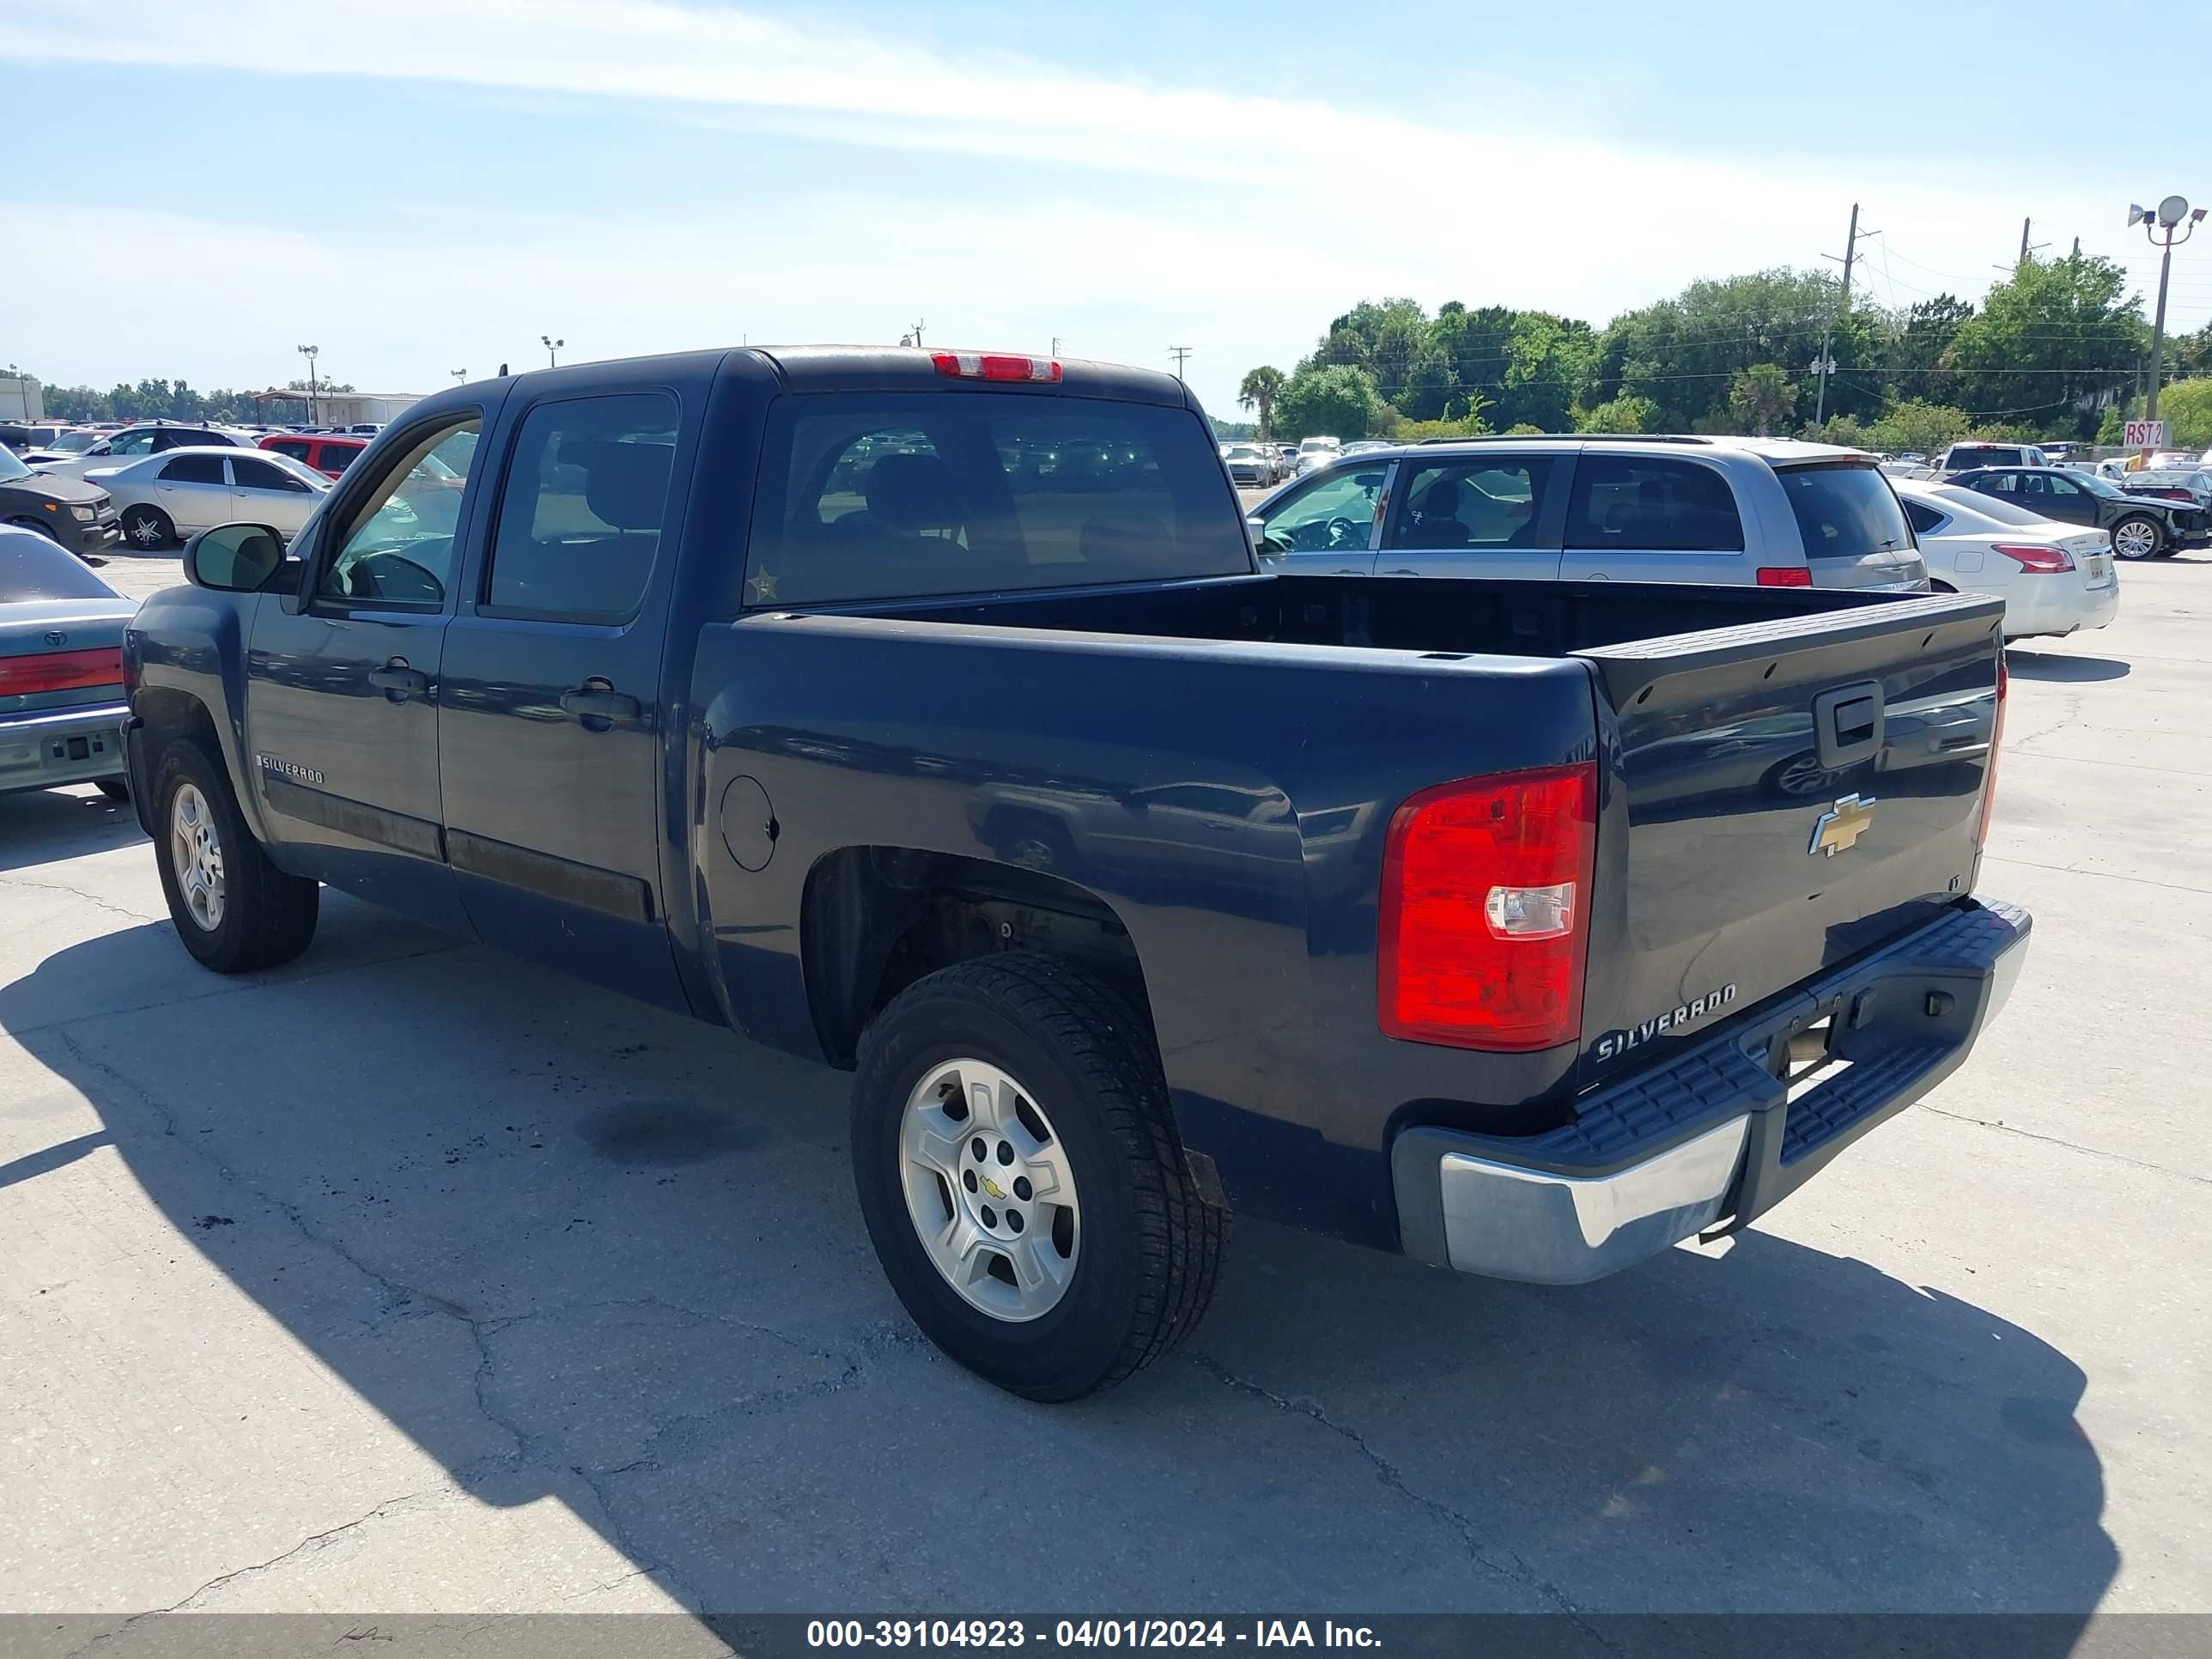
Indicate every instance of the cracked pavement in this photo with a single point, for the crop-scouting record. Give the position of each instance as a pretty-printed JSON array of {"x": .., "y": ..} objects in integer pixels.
[{"x": 409, "y": 1278}]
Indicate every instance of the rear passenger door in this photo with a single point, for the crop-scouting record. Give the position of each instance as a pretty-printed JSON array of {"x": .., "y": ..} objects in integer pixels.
[
  {"x": 552, "y": 714},
  {"x": 1652, "y": 518},
  {"x": 194, "y": 492},
  {"x": 1490, "y": 515}
]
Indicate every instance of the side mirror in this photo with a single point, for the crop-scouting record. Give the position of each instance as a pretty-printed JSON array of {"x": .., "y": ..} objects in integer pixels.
[{"x": 234, "y": 558}]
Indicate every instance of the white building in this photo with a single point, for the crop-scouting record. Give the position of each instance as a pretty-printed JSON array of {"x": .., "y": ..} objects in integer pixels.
[
  {"x": 286, "y": 406},
  {"x": 22, "y": 398}
]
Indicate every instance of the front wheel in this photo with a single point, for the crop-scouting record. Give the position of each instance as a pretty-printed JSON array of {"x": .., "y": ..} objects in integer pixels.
[
  {"x": 148, "y": 527},
  {"x": 1022, "y": 1179},
  {"x": 2137, "y": 537},
  {"x": 234, "y": 909}
]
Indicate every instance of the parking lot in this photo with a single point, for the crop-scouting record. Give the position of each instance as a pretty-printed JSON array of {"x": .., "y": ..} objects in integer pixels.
[{"x": 410, "y": 1278}]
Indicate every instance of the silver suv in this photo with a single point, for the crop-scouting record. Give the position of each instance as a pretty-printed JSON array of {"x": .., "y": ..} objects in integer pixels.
[{"x": 1772, "y": 513}]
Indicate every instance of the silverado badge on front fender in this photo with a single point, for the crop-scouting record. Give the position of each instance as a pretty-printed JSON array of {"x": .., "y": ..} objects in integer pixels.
[{"x": 1838, "y": 828}]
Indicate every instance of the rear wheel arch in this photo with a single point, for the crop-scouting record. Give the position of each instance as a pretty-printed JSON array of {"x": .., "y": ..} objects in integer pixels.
[{"x": 875, "y": 919}]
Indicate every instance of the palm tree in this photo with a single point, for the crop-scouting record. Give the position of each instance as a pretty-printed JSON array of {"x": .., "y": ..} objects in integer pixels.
[{"x": 1260, "y": 389}]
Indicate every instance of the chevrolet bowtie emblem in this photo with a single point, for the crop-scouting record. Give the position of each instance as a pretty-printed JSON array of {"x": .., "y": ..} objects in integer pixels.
[
  {"x": 993, "y": 1188},
  {"x": 1835, "y": 829}
]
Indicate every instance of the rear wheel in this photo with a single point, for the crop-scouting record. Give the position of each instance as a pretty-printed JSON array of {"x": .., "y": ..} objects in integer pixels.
[
  {"x": 148, "y": 527},
  {"x": 2137, "y": 537},
  {"x": 1022, "y": 1178},
  {"x": 234, "y": 909}
]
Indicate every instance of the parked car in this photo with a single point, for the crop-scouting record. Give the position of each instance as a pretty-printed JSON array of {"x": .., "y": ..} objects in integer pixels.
[
  {"x": 1316, "y": 451},
  {"x": 1739, "y": 511},
  {"x": 162, "y": 497},
  {"x": 329, "y": 454},
  {"x": 790, "y": 626},
  {"x": 1966, "y": 457},
  {"x": 1251, "y": 464},
  {"x": 77, "y": 516},
  {"x": 2141, "y": 526},
  {"x": 2190, "y": 485},
  {"x": 61, "y": 669},
  {"x": 2055, "y": 579},
  {"x": 151, "y": 438},
  {"x": 69, "y": 442}
]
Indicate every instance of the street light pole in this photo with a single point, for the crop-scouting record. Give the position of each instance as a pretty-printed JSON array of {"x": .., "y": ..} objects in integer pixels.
[
  {"x": 552, "y": 346},
  {"x": 311, "y": 352},
  {"x": 2167, "y": 215}
]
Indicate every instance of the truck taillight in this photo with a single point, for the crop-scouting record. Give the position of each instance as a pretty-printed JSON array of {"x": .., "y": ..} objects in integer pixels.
[
  {"x": 1990, "y": 767},
  {"x": 991, "y": 366},
  {"x": 61, "y": 671},
  {"x": 1486, "y": 911},
  {"x": 1785, "y": 576},
  {"x": 2036, "y": 561}
]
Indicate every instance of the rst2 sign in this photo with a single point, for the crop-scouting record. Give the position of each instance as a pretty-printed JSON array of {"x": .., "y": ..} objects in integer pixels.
[{"x": 2143, "y": 435}]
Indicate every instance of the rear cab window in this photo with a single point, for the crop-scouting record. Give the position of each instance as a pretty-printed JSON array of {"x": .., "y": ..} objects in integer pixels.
[
  {"x": 1845, "y": 510},
  {"x": 892, "y": 495}
]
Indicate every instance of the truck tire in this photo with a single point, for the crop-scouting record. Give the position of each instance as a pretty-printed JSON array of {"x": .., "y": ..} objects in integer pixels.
[
  {"x": 234, "y": 909},
  {"x": 1053, "y": 1242}
]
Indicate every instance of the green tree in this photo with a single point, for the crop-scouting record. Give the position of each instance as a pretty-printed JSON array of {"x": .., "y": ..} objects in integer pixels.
[
  {"x": 1923, "y": 427},
  {"x": 1259, "y": 391},
  {"x": 1917, "y": 339},
  {"x": 2049, "y": 343},
  {"x": 2186, "y": 407},
  {"x": 1761, "y": 397},
  {"x": 1339, "y": 399},
  {"x": 1626, "y": 413},
  {"x": 1524, "y": 430}
]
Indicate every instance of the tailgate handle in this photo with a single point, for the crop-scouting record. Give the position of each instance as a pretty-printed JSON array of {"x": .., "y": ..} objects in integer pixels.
[{"x": 1847, "y": 724}]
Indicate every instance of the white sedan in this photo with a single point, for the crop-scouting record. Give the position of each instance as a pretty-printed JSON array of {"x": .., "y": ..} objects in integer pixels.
[
  {"x": 167, "y": 496},
  {"x": 2054, "y": 578}
]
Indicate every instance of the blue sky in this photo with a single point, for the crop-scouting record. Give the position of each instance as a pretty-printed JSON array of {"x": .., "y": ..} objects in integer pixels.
[{"x": 422, "y": 186}]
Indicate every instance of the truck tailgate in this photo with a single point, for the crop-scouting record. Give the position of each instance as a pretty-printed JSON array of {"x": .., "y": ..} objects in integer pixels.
[{"x": 1784, "y": 796}]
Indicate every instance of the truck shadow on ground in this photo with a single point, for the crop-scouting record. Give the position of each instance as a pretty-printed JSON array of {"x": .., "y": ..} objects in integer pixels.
[
  {"x": 2032, "y": 665},
  {"x": 572, "y": 1248}
]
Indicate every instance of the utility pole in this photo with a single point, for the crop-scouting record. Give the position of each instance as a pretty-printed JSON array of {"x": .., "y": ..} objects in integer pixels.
[
  {"x": 1827, "y": 365},
  {"x": 915, "y": 335},
  {"x": 1055, "y": 345},
  {"x": 1182, "y": 354}
]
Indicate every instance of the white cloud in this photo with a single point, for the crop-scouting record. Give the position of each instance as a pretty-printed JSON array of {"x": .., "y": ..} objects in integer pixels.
[{"x": 1352, "y": 204}]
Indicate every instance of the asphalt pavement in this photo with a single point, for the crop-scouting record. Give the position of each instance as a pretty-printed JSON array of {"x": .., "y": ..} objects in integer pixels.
[{"x": 410, "y": 1278}]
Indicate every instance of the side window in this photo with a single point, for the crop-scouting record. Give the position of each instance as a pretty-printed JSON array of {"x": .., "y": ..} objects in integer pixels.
[
  {"x": 2061, "y": 486},
  {"x": 580, "y": 517},
  {"x": 194, "y": 469},
  {"x": 138, "y": 443},
  {"x": 396, "y": 546},
  {"x": 337, "y": 457},
  {"x": 1925, "y": 519},
  {"x": 1336, "y": 511},
  {"x": 2034, "y": 483},
  {"x": 1629, "y": 502},
  {"x": 1998, "y": 483},
  {"x": 298, "y": 449},
  {"x": 1492, "y": 503},
  {"x": 248, "y": 473}
]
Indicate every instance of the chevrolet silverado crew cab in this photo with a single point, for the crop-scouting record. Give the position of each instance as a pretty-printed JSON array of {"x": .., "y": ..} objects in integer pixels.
[{"x": 928, "y": 716}]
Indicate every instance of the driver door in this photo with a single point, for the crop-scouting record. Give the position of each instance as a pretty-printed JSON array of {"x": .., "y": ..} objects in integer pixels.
[
  {"x": 341, "y": 712},
  {"x": 1326, "y": 525}
]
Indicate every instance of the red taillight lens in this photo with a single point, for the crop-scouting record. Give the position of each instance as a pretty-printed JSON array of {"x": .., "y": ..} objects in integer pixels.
[
  {"x": 2038, "y": 561},
  {"x": 60, "y": 671},
  {"x": 1785, "y": 576},
  {"x": 986, "y": 366},
  {"x": 1990, "y": 767},
  {"x": 1486, "y": 911}
]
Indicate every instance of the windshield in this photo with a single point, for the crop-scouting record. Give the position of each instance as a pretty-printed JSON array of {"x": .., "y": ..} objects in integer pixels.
[
  {"x": 33, "y": 568},
  {"x": 10, "y": 468},
  {"x": 1958, "y": 497},
  {"x": 1845, "y": 512},
  {"x": 298, "y": 468}
]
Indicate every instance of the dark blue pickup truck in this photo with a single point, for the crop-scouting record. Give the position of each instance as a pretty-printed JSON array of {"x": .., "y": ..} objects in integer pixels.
[{"x": 929, "y": 716}]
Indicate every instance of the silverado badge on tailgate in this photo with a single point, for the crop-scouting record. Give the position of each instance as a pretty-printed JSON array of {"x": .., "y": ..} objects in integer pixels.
[{"x": 1838, "y": 828}]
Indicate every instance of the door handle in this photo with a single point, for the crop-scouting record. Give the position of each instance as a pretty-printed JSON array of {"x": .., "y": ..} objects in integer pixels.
[
  {"x": 596, "y": 699},
  {"x": 397, "y": 675}
]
